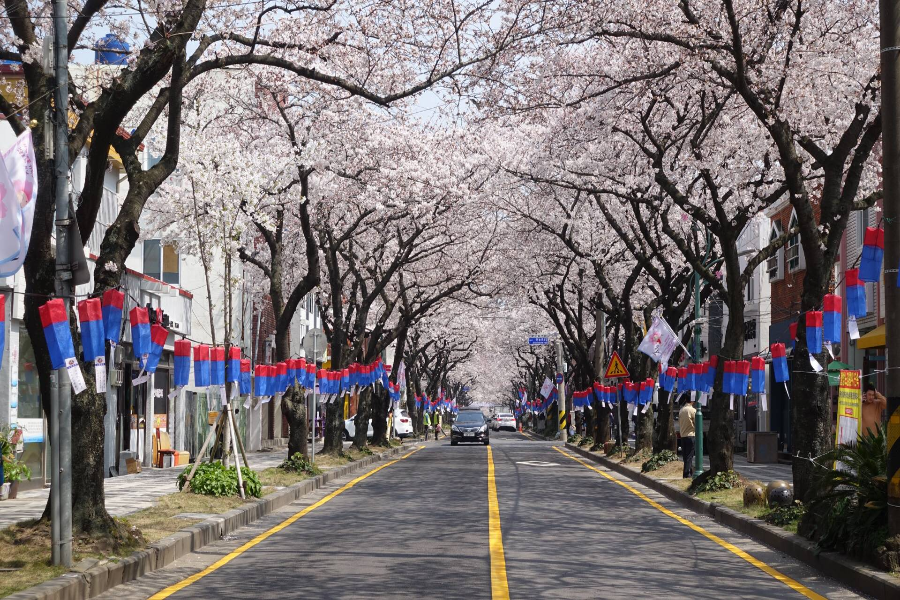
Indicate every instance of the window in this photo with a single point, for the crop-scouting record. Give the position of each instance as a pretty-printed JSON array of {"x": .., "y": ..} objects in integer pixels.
[
  {"x": 862, "y": 221},
  {"x": 794, "y": 254},
  {"x": 750, "y": 290},
  {"x": 773, "y": 265},
  {"x": 161, "y": 261},
  {"x": 750, "y": 330}
]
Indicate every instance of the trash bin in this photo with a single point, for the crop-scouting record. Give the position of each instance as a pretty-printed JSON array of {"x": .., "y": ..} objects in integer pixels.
[{"x": 762, "y": 447}]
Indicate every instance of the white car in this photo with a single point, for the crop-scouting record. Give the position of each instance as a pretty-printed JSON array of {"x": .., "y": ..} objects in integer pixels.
[
  {"x": 402, "y": 423},
  {"x": 504, "y": 421},
  {"x": 350, "y": 429}
]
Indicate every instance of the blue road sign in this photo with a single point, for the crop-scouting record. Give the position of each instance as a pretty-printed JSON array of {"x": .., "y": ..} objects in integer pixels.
[
  {"x": 559, "y": 378},
  {"x": 538, "y": 341}
]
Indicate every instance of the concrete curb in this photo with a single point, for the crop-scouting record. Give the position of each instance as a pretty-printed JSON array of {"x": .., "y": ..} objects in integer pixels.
[
  {"x": 850, "y": 572},
  {"x": 95, "y": 581}
]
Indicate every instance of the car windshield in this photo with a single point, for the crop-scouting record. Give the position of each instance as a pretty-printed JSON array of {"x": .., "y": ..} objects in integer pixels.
[
  {"x": 506, "y": 416},
  {"x": 403, "y": 413},
  {"x": 471, "y": 417}
]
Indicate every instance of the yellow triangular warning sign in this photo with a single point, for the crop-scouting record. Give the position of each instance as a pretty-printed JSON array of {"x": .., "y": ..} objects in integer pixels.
[{"x": 616, "y": 367}]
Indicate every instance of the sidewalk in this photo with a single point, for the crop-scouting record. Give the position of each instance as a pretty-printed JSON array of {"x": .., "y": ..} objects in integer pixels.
[{"x": 125, "y": 494}]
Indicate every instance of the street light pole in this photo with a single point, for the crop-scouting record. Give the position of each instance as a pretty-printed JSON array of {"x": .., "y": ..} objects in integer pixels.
[
  {"x": 61, "y": 409},
  {"x": 890, "y": 98}
]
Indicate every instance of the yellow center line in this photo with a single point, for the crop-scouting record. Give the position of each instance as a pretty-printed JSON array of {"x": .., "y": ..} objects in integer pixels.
[
  {"x": 266, "y": 534},
  {"x": 794, "y": 585},
  {"x": 499, "y": 585}
]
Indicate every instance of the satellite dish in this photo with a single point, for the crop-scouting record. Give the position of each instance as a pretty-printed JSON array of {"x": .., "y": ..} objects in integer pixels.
[{"x": 314, "y": 343}]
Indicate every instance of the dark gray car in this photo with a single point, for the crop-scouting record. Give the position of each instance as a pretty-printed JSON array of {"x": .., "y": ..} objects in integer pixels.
[{"x": 470, "y": 426}]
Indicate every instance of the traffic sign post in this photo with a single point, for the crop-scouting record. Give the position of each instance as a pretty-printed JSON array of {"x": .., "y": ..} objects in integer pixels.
[
  {"x": 538, "y": 341},
  {"x": 616, "y": 368},
  {"x": 559, "y": 378}
]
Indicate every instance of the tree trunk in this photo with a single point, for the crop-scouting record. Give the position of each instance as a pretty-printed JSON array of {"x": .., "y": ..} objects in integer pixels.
[
  {"x": 721, "y": 428},
  {"x": 664, "y": 438},
  {"x": 643, "y": 438},
  {"x": 293, "y": 406},
  {"x": 601, "y": 423},
  {"x": 380, "y": 406},
  {"x": 360, "y": 439},
  {"x": 624, "y": 423},
  {"x": 811, "y": 417},
  {"x": 334, "y": 429}
]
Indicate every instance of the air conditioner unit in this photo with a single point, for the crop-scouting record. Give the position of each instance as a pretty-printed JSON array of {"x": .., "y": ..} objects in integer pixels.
[{"x": 117, "y": 377}]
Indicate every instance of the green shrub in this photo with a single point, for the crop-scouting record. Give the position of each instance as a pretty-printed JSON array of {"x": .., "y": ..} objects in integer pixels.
[
  {"x": 299, "y": 464},
  {"x": 847, "y": 508},
  {"x": 616, "y": 450},
  {"x": 723, "y": 480},
  {"x": 213, "y": 479},
  {"x": 785, "y": 515},
  {"x": 587, "y": 441},
  {"x": 575, "y": 440},
  {"x": 658, "y": 460}
]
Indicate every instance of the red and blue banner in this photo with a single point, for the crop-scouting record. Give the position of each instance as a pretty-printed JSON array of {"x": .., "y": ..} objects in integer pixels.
[
  {"x": 93, "y": 341},
  {"x": 814, "y": 331},
  {"x": 281, "y": 382},
  {"x": 140, "y": 332},
  {"x": 667, "y": 379},
  {"x": 217, "y": 365},
  {"x": 757, "y": 375},
  {"x": 711, "y": 373},
  {"x": 856, "y": 294},
  {"x": 112, "y": 303},
  {"x": 182, "y": 362},
  {"x": 831, "y": 318},
  {"x": 872, "y": 254},
  {"x": 779, "y": 363},
  {"x": 245, "y": 376},
  {"x": 55, "y": 322},
  {"x": 158, "y": 335},
  {"x": 2, "y": 326},
  {"x": 233, "y": 368},
  {"x": 259, "y": 381},
  {"x": 201, "y": 366}
]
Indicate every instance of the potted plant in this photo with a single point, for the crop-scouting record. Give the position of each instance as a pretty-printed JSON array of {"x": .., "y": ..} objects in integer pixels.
[{"x": 14, "y": 471}]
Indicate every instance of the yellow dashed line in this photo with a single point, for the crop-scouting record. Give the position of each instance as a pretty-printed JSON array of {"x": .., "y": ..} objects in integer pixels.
[
  {"x": 794, "y": 585},
  {"x": 265, "y": 535}
]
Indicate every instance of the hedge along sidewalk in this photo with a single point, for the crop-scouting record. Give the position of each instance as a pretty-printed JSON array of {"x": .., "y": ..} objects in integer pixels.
[
  {"x": 848, "y": 571},
  {"x": 161, "y": 553}
]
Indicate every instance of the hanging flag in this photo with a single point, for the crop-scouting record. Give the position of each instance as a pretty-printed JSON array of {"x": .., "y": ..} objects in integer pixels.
[
  {"x": 856, "y": 295},
  {"x": 2, "y": 326},
  {"x": 245, "y": 376},
  {"x": 182, "y": 362},
  {"x": 217, "y": 365},
  {"x": 831, "y": 319},
  {"x": 660, "y": 341},
  {"x": 140, "y": 333},
  {"x": 259, "y": 381},
  {"x": 792, "y": 329},
  {"x": 112, "y": 303},
  {"x": 158, "y": 336},
  {"x": 345, "y": 381},
  {"x": 281, "y": 377},
  {"x": 779, "y": 363},
  {"x": 682, "y": 380},
  {"x": 233, "y": 372},
  {"x": 711, "y": 373},
  {"x": 741, "y": 377},
  {"x": 201, "y": 366},
  {"x": 872, "y": 254},
  {"x": 757, "y": 375},
  {"x": 729, "y": 381},
  {"x": 90, "y": 313},
  {"x": 55, "y": 321},
  {"x": 814, "y": 331},
  {"x": 667, "y": 379},
  {"x": 18, "y": 190}
]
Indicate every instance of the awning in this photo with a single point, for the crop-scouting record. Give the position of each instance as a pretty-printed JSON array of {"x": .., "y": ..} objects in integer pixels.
[{"x": 873, "y": 339}]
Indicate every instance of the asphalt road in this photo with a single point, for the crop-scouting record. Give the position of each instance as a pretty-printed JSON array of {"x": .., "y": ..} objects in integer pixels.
[{"x": 421, "y": 527}]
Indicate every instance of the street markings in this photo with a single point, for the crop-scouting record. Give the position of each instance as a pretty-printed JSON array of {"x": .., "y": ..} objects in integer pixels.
[
  {"x": 499, "y": 585},
  {"x": 172, "y": 589},
  {"x": 537, "y": 463},
  {"x": 794, "y": 585}
]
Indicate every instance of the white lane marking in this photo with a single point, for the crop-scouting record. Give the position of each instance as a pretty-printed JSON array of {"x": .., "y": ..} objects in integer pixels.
[{"x": 537, "y": 463}]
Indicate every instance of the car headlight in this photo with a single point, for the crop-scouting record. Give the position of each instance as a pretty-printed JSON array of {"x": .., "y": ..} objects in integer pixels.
[
  {"x": 483, "y": 428},
  {"x": 457, "y": 429}
]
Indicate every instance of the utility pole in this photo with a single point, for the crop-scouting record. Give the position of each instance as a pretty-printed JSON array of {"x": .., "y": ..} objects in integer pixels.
[
  {"x": 599, "y": 359},
  {"x": 61, "y": 391},
  {"x": 890, "y": 137},
  {"x": 561, "y": 392},
  {"x": 698, "y": 422}
]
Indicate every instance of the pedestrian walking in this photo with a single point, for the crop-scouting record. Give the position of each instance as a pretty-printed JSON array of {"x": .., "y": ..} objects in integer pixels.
[
  {"x": 427, "y": 424},
  {"x": 686, "y": 421},
  {"x": 873, "y": 406}
]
